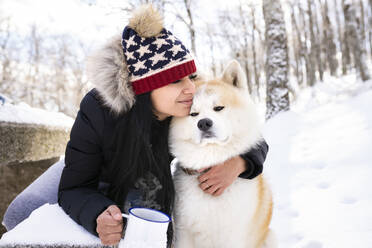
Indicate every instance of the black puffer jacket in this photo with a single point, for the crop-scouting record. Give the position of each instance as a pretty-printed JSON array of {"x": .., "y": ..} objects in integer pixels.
[{"x": 84, "y": 180}]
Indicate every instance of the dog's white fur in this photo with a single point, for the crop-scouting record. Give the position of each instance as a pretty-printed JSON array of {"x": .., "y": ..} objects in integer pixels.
[{"x": 241, "y": 215}]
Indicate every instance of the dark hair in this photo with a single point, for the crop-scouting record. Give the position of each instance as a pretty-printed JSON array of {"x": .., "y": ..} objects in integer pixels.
[{"x": 141, "y": 145}]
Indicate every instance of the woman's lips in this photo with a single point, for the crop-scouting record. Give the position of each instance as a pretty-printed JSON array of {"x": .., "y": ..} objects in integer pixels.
[{"x": 186, "y": 102}]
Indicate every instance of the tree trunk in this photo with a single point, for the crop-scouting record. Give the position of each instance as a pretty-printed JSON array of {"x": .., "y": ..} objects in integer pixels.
[
  {"x": 345, "y": 41},
  {"x": 310, "y": 72},
  {"x": 246, "y": 49},
  {"x": 370, "y": 28},
  {"x": 318, "y": 44},
  {"x": 340, "y": 38},
  {"x": 328, "y": 41},
  {"x": 297, "y": 47},
  {"x": 276, "y": 66},
  {"x": 354, "y": 39},
  {"x": 256, "y": 73},
  {"x": 313, "y": 46},
  {"x": 191, "y": 25}
]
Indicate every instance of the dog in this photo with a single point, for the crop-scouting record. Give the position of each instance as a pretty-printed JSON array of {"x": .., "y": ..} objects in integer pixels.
[{"x": 222, "y": 124}]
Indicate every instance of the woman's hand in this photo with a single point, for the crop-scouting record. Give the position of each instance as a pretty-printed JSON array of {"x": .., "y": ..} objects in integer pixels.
[
  {"x": 221, "y": 176},
  {"x": 110, "y": 225}
]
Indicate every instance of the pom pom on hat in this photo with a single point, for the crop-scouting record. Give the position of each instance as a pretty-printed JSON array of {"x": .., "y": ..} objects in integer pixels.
[
  {"x": 146, "y": 21},
  {"x": 154, "y": 56}
]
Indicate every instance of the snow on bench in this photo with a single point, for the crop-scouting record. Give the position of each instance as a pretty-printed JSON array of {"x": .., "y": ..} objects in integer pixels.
[{"x": 49, "y": 226}]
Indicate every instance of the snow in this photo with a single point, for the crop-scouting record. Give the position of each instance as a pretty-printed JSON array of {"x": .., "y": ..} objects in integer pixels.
[
  {"x": 318, "y": 166},
  {"x": 23, "y": 113},
  {"x": 53, "y": 227}
]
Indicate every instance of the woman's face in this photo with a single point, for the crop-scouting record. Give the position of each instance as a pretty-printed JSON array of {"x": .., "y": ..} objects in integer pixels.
[{"x": 174, "y": 99}]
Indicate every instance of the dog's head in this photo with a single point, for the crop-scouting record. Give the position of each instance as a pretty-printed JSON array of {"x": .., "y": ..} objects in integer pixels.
[{"x": 222, "y": 121}]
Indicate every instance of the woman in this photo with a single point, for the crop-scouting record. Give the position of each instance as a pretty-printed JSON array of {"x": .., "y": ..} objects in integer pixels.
[{"x": 117, "y": 156}]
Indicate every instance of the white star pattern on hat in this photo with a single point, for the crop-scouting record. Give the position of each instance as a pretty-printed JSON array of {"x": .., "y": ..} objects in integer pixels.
[
  {"x": 143, "y": 50},
  {"x": 159, "y": 42},
  {"x": 175, "y": 49},
  {"x": 139, "y": 65},
  {"x": 158, "y": 57},
  {"x": 172, "y": 38},
  {"x": 131, "y": 41},
  {"x": 129, "y": 55}
]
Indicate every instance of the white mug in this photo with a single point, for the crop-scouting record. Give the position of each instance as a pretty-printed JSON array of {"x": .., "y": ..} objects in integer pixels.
[{"x": 146, "y": 228}]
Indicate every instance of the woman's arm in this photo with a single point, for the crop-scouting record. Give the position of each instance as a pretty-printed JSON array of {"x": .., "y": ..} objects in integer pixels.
[
  {"x": 221, "y": 176},
  {"x": 254, "y": 160},
  {"x": 78, "y": 193}
]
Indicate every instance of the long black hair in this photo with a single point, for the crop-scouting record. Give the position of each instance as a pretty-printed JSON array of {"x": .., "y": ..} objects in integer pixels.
[{"x": 140, "y": 142}]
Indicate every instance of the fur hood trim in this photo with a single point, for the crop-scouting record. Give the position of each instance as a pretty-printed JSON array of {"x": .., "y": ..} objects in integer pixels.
[{"x": 107, "y": 71}]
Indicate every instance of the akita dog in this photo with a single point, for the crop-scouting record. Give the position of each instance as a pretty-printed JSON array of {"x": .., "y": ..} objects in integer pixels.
[{"x": 223, "y": 123}]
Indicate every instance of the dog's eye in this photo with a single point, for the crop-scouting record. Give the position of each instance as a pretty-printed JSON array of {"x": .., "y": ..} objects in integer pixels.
[
  {"x": 194, "y": 114},
  {"x": 218, "y": 108}
]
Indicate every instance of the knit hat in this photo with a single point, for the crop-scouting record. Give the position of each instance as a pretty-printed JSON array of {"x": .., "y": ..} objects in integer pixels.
[{"x": 154, "y": 56}]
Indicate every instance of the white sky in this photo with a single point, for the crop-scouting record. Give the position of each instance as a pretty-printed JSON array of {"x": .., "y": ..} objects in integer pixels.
[
  {"x": 58, "y": 17},
  {"x": 78, "y": 18},
  {"x": 94, "y": 24}
]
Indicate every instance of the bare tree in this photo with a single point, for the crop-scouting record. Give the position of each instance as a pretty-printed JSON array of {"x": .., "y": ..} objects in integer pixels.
[
  {"x": 35, "y": 54},
  {"x": 254, "y": 50},
  {"x": 210, "y": 34},
  {"x": 298, "y": 47},
  {"x": 234, "y": 29},
  {"x": 276, "y": 67},
  {"x": 318, "y": 44},
  {"x": 188, "y": 20},
  {"x": 345, "y": 41},
  {"x": 354, "y": 39},
  {"x": 360, "y": 21},
  {"x": 5, "y": 57},
  {"x": 245, "y": 48},
  {"x": 328, "y": 40},
  {"x": 309, "y": 64},
  {"x": 340, "y": 39},
  {"x": 370, "y": 27},
  {"x": 314, "y": 47}
]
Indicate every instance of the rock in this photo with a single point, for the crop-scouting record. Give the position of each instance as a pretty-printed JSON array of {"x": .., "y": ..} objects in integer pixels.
[{"x": 22, "y": 142}]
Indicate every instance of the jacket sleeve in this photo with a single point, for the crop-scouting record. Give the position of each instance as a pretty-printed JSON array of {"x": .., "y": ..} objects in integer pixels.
[
  {"x": 78, "y": 193},
  {"x": 254, "y": 160}
]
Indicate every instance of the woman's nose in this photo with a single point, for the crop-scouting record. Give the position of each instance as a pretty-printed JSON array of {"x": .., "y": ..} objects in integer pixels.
[{"x": 189, "y": 87}]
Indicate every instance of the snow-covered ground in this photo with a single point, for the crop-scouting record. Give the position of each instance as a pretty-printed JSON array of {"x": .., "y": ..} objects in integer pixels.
[{"x": 319, "y": 166}]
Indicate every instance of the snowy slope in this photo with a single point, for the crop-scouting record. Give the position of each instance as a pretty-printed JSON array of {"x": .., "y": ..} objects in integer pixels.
[{"x": 320, "y": 168}]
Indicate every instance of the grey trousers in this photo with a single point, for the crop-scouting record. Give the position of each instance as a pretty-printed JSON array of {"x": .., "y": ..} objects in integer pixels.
[{"x": 43, "y": 190}]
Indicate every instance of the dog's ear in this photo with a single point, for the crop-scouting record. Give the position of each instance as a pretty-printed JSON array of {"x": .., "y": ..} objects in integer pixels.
[{"x": 233, "y": 74}]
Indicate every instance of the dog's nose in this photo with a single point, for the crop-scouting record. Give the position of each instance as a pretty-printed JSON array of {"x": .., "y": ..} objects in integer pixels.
[{"x": 205, "y": 124}]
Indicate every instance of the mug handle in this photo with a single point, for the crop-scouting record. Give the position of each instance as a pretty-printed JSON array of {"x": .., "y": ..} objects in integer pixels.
[{"x": 125, "y": 215}]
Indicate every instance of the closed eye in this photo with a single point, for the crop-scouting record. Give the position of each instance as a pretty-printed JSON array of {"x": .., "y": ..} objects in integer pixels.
[
  {"x": 218, "y": 108},
  {"x": 194, "y": 114},
  {"x": 193, "y": 76}
]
